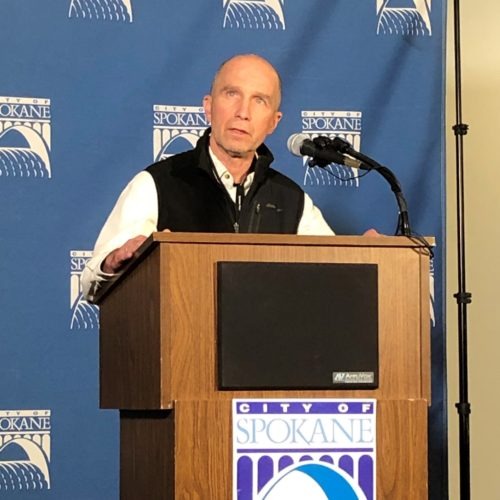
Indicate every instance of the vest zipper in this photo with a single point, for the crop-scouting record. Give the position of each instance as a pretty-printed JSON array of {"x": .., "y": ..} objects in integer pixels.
[
  {"x": 254, "y": 219},
  {"x": 240, "y": 194}
]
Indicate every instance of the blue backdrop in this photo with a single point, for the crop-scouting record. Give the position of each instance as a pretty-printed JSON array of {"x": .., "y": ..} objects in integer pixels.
[{"x": 94, "y": 90}]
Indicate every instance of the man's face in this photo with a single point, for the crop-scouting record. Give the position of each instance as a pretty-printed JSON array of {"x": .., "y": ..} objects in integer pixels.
[{"x": 243, "y": 107}]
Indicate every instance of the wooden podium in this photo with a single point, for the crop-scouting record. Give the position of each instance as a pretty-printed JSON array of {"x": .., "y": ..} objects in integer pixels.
[{"x": 158, "y": 365}]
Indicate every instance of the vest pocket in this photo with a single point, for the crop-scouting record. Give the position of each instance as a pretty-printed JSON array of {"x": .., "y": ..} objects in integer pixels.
[{"x": 266, "y": 218}]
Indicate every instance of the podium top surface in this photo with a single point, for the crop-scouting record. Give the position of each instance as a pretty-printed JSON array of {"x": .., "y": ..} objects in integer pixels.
[{"x": 284, "y": 240}]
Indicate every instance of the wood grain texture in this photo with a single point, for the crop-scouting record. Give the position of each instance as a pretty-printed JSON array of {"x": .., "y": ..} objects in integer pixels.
[
  {"x": 130, "y": 362},
  {"x": 402, "y": 450},
  {"x": 203, "y": 450},
  {"x": 147, "y": 446}
]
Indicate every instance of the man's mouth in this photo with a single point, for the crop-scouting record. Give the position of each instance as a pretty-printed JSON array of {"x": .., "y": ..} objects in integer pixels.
[{"x": 238, "y": 131}]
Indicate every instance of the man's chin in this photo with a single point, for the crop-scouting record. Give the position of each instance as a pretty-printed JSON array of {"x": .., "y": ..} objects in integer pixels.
[
  {"x": 236, "y": 154},
  {"x": 236, "y": 151}
]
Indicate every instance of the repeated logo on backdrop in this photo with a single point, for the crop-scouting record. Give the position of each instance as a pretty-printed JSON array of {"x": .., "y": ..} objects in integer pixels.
[
  {"x": 84, "y": 316},
  {"x": 404, "y": 17},
  {"x": 25, "y": 137},
  {"x": 108, "y": 10},
  {"x": 176, "y": 129},
  {"x": 24, "y": 450},
  {"x": 345, "y": 124},
  {"x": 254, "y": 14}
]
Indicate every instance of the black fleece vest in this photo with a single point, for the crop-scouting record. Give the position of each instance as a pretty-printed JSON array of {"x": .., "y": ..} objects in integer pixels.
[{"x": 192, "y": 199}]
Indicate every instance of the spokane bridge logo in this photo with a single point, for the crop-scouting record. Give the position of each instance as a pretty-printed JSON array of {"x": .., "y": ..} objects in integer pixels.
[
  {"x": 107, "y": 10},
  {"x": 25, "y": 137},
  {"x": 254, "y": 14},
  {"x": 404, "y": 17},
  {"x": 297, "y": 448},
  {"x": 84, "y": 316},
  {"x": 344, "y": 124},
  {"x": 24, "y": 450},
  {"x": 176, "y": 129}
]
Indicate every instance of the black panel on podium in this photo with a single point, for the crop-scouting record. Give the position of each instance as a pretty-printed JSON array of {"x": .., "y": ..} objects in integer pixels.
[{"x": 297, "y": 325}]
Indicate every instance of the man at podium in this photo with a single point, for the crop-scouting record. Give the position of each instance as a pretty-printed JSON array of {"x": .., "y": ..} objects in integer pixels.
[{"x": 225, "y": 184}]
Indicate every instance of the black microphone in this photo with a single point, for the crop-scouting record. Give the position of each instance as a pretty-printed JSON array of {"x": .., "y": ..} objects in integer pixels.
[
  {"x": 336, "y": 144},
  {"x": 321, "y": 150}
]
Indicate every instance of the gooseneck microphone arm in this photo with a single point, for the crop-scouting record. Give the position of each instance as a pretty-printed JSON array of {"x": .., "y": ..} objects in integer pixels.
[
  {"x": 323, "y": 151},
  {"x": 404, "y": 219},
  {"x": 343, "y": 147}
]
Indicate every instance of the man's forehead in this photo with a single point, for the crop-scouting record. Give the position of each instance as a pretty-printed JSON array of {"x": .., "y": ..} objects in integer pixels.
[
  {"x": 242, "y": 63},
  {"x": 236, "y": 67}
]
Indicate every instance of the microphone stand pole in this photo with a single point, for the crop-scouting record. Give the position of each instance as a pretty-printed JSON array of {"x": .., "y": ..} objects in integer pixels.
[{"x": 462, "y": 297}]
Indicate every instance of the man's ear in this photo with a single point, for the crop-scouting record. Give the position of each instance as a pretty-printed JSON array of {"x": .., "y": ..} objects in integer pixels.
[
  {"x": 277, "y": 118},
  {"x": 207, "y": 106}
]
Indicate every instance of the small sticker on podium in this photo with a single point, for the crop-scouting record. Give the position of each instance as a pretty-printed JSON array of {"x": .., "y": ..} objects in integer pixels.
[
  {"x": 353, "y": 377},
  {"x": 316, "y": 449}
]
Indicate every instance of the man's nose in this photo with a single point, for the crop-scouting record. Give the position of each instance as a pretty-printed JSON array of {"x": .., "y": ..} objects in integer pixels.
[{"x": 243, "y": 109}]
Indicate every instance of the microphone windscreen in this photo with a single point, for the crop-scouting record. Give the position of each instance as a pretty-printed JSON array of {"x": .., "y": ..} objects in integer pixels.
[{"x": 295, "y": 142}]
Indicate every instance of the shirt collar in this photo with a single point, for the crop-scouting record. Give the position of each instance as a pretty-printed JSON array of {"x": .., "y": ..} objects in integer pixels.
[{"x": 225, "y": 176}]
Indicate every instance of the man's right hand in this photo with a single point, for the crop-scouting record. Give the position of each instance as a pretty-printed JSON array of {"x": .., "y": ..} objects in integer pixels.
[{"x": 117, "y": 259}]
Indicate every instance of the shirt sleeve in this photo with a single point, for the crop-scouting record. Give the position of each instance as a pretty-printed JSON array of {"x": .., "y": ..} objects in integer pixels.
[
  {"x": 135, "y": 213},
  {"x": 312, "y": 222}
]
